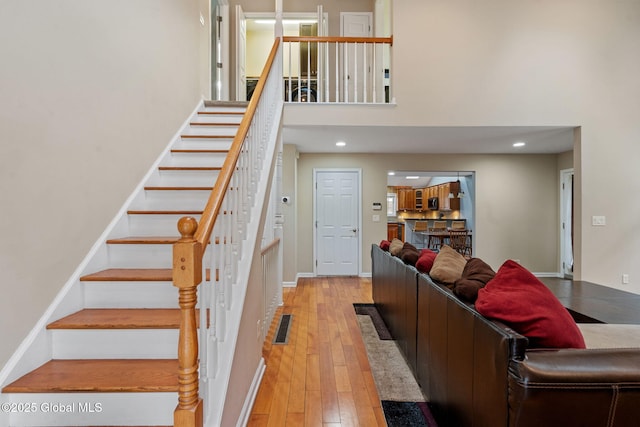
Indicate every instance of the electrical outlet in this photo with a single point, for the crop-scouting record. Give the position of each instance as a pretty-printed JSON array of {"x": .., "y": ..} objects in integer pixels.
[
  {"x": 625, "y": 279},
  {"x": 598, "y": 220}
]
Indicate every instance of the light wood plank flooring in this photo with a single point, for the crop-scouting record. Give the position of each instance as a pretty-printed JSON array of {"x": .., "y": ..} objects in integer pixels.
[{"x": 321, "y": 377}]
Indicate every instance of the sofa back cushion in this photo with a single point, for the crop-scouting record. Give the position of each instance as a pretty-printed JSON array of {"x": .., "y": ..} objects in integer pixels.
[{"x": 518, "y": 299}]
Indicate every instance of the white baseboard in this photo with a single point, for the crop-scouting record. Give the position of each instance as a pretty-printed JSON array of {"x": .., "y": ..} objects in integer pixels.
[
  {"x": 548, "y": 274},
  {"x": 243, "y": 419}
]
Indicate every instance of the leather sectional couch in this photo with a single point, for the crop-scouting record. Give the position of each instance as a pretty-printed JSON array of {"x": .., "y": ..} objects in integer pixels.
[{"x": 480, "y": 373}]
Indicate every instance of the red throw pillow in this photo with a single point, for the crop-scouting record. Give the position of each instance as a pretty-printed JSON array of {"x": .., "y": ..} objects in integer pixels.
[
  {"x": 425, "y": 262},
  {"x": 518, "y": 299},
  {"x": 384, "y": 245}
]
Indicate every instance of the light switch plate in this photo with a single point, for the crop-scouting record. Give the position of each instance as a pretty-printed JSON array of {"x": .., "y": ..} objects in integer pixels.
[{"x": 598, "y": 220}]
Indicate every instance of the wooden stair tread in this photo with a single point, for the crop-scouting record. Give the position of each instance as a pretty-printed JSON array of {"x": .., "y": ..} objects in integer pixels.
[
  {"x": 213, "y": 124},
  {"x": 132, "y": 275},
  {"x": 189, "y": 168},
  {"x": 190, "y": 136},
  {"x": 175, "y": 150},
  {"x": 145, "y": 240},
  {"x": 178, "y": 188},
  {"x": 120, "y": 318},
  {"x": 158, "y": 212},
  {"x": 220, "y": 113},
  {"x": 99, "y": 375}
]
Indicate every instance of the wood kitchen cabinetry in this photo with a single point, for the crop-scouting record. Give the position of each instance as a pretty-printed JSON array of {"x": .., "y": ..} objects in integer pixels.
[
  {"x": 443, "y": 196},
  {"x": 415, "y": 199},
  {"x": 394, "y": 231},
  {"x": 406, "y": 199},
  {"x": 419, "y": 199}
]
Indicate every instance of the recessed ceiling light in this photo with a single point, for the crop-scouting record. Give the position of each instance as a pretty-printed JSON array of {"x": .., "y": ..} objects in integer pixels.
[
  {"x": 340, "y": 144},
  {"x": 519, "y": 144},
  {"x": 412, "y": 177},
  {"x": 391, "y": 173}
]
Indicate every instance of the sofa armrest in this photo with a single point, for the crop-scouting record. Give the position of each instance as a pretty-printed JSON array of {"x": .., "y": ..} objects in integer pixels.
[
  {"x": 574, "y": 388},
  {"x": 579, "y": 366}
]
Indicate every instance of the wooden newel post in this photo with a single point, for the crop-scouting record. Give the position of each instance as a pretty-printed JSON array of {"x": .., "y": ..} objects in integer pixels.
[{"x": 187, "y": 275}]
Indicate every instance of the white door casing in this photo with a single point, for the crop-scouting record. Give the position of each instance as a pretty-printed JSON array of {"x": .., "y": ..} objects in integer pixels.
[
  {"x": 566, "y": 223},
  {"x": 337, "y": 218},
  {"x": 241, "y": 52}
]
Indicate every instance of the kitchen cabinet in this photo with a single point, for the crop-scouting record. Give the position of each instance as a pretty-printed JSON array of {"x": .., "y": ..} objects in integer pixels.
[
  {"x": 394, "y": 231},
  {"x": 445, "y": 202},
  {"x": 454, "y": 187},
  {"x": 406, "y": 199},
  {"x": 419, "y": 199}
]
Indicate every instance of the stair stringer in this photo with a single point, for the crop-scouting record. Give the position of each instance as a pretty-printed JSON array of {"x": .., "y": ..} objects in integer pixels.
[{"x": 231, "y": 409}]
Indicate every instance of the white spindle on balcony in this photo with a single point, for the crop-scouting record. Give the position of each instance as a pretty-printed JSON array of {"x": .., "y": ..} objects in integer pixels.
[{"x": 337, "y": 69}]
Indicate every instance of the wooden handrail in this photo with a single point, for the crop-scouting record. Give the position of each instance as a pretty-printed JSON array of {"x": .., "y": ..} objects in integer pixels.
[
  {"x": 212, "y": 209},
  {"x": 325, "y": 39},
  {"x": 187, "y": 266},
  {"x": 273, "y": 243}
]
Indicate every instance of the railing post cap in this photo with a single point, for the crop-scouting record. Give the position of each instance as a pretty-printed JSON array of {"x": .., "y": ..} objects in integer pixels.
[{"x": 187, "y": 227}]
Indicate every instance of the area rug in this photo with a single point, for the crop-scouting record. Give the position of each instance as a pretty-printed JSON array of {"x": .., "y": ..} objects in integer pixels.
[
  {"x": 401, "y": 398},
  {"x": 371, "y": 311}
]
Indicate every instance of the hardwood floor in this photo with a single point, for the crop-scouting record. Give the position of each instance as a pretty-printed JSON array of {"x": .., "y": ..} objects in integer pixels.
[{"x": 321, "y": 377}]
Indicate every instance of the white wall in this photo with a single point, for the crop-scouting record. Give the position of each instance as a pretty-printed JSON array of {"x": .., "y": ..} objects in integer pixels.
[
  {"x": 506, "y": 224},
  {"x": 91, "y": 94},
  {"x": 571, "y": 62}
]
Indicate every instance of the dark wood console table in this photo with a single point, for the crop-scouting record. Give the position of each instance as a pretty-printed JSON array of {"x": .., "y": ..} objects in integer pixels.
[{"x": 589, "y": 302}]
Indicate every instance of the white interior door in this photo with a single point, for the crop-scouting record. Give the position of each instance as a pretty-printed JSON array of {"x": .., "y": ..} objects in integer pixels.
[
  {"x": 241, "y": 54},
  {"x": 337, "y": 220}
]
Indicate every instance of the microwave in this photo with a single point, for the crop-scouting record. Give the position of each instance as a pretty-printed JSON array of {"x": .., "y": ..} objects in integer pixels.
[{"x": 432, "y": 203}]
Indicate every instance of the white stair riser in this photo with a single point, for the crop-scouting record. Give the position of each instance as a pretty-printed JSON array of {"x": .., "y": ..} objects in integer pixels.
[
  {"x": 195, "y": 159},
  {"x": 142, "y": 256},
  {"x": 94, "y": 409},
  {"x": 130, "y": 295},
  {"x": 204, "y": 143},
  {"x": 211, "y": 130},
  {"x": 115, "y": 343},
  {"x": 171, "y": 200},
  {"x": 224, "y": 109},
  {"x": 184, "y": 178},
  {"x": 217, "y": 118},
  {"x": 155, "y": 225}
]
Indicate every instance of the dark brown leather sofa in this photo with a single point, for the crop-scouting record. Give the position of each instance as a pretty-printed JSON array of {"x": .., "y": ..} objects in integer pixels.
[{"x": 479, "y": 373}]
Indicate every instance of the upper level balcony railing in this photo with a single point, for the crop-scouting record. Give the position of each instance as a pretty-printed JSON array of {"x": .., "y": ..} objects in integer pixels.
[{"x": 349, "y": 70}]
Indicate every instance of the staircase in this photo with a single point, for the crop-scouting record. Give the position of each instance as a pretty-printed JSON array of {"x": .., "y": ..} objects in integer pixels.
[{"x": 106, "y": 351}]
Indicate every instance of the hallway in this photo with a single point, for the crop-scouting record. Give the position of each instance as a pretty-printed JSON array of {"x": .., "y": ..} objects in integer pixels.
[{"x": 321, "y": 377}]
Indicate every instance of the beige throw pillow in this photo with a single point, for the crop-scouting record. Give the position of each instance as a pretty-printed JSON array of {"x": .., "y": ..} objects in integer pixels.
[
  {"x": 448, "y": 265},
  {"x": 396, "y": 247}
]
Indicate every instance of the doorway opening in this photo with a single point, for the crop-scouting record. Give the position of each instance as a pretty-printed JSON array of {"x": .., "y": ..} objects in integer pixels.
[{"x": 566, "y": 222}]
